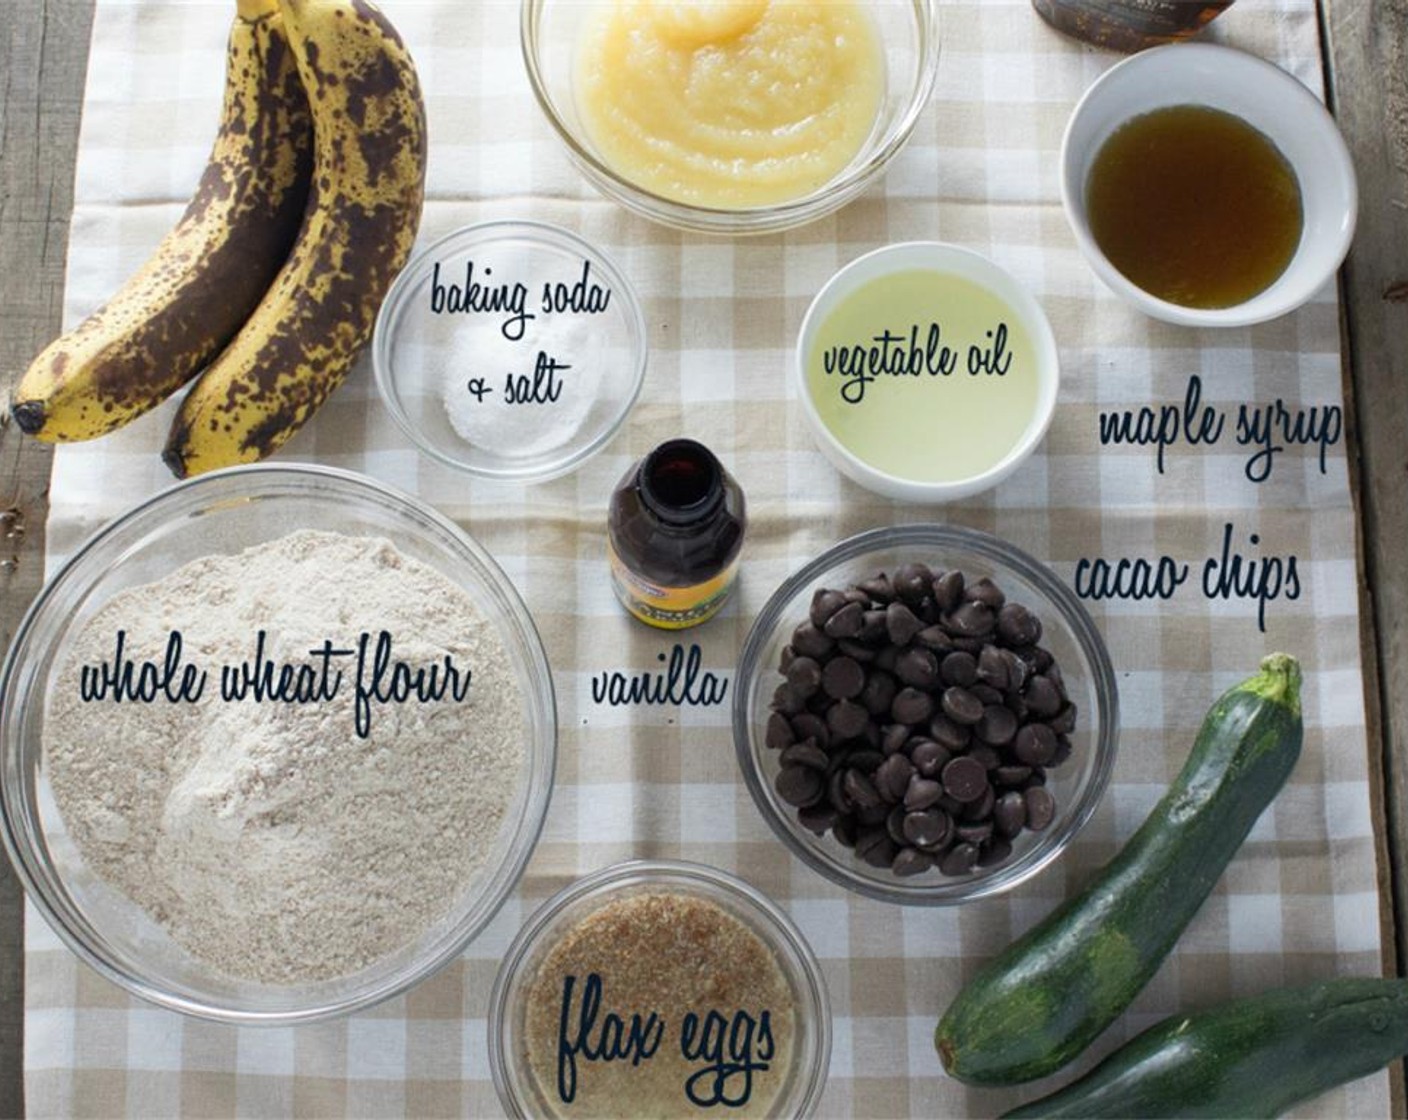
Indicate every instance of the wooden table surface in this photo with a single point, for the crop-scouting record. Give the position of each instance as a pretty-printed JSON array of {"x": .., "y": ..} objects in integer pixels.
[{"x": 43, "y": 57}]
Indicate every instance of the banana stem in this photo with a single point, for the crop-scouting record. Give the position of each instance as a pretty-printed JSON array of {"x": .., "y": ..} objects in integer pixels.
[{"x": 252, "y": 11}]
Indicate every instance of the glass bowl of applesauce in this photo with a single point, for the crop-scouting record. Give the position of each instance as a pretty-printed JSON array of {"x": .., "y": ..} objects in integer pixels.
[{"x": 746, "y": 116}]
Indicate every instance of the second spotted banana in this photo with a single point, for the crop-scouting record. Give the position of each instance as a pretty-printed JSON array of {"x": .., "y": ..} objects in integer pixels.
[{"x": 363, "y": 214}]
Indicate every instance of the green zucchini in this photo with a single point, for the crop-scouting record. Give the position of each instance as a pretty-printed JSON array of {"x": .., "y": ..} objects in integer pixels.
[
  {"x": 1046, "y": 998},
  {"x": 1253, "y": 1057}
]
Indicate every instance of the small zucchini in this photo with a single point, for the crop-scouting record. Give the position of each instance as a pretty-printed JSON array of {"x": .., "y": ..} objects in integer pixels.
[
  {"x": 1249, "y": 1058},
  {"x": 1046, "y": 998}
]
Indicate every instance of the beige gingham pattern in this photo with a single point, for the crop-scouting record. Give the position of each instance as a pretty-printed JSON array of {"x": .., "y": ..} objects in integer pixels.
[{"x": 1301, "y": 901}]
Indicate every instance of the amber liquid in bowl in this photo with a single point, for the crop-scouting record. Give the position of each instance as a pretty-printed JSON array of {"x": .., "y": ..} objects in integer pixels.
[{"x": 1194, "y": 206}]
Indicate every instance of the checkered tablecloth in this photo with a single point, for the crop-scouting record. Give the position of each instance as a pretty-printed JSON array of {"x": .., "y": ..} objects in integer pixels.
[{"x": 1301, "y": 901}]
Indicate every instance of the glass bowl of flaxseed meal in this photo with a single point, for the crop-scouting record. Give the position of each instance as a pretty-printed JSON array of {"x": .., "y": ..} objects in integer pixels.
[
  {"x": 659, "y": 988},
  {"x": 274, "y": 745}
]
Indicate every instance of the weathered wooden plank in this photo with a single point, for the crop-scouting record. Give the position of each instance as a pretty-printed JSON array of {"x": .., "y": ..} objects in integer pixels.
[
  {"x": 43, "y": 59},
  {"x": 1367, "y": 55}
]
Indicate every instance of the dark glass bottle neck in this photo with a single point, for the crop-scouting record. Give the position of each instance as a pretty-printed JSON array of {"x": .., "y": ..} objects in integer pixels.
[{"x": 681, "y": 483}]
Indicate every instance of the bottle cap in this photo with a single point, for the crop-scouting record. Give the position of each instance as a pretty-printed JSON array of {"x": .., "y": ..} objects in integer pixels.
[{"x": 681, "y": 482}]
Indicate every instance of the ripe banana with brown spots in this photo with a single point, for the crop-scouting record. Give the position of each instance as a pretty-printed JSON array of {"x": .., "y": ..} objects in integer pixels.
[
  {"x": 365, "y": 207},
  {"x": 209, "y": 273}
]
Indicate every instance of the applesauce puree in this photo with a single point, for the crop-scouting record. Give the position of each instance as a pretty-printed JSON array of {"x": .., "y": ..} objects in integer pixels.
[{"x": 729, "y": 104}]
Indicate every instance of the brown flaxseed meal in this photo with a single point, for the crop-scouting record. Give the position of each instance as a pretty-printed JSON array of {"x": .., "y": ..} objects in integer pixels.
[{"x": 670, "y": 959}]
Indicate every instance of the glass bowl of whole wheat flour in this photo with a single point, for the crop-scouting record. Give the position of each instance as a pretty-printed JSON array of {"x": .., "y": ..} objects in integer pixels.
[{"x": 344, "y": 802}]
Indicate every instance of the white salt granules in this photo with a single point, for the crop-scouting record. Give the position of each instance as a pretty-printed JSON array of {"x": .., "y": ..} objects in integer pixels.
[{"x": 267, "y": 838}]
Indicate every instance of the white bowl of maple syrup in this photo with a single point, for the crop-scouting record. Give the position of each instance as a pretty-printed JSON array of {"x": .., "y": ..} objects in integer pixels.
[{"x": 1207, "y": 187}]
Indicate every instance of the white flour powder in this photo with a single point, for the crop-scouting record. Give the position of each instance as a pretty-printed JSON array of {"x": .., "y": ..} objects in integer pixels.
[{"x": 267, "y": 838}]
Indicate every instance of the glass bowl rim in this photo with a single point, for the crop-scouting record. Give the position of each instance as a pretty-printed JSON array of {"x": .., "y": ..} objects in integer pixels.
[
  {"x": 996, "y": 551},
  {"x": 830, "y": 196},
  {"x": 651, "y": 872},
  {"x": 37, "y": 878},
  {"x": 543, "y": 235}
]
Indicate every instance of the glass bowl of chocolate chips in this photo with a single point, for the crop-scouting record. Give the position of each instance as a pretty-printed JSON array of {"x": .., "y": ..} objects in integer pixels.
[{"x": 925, "y": 714}]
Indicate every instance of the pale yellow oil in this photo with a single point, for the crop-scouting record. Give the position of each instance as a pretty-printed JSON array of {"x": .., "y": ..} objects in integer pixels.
[{"x": 929, "y": 428}]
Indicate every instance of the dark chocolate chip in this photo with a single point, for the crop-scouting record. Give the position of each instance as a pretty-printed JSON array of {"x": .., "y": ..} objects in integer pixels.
[
  {"x": 994, "y": 852},
  {"x": 878, "y": 587},
  {"x": 1010, "y": 813},
  {"x": 894, "y": 824},
  {"x": 786, "y": 700},
  {"x": 922, "y": 793},
  {"x": 981, "y": 809},
  {"x": 878, "y": 693},
  {"x": 1017, "y": 626},
  {"x": 962, "y": 706},
  {"x": 847, "y": 719},
  {"x": 818, "y": 818},
  {"x": 825, "y": 603},
  {"x": 959, "y": 669},
  {"x": 809, "y": 641},
  {"x": 1041, "y": 808},
  {"x": 927, "y": 829},
  {"x": 873, "y": 630},
  {"x": 865, "y": 760},
  {"x": 997, "y": 727},
  {"x": 806, "y": 753},
  {"x": 934, "y": 638},
  {"x": 1017, "y": 671},
  {"x": 959, "y": 860},
  {"x": 1064, "y": 721},
  {"x": 892, "y": 777},
  {"x": 976, "y": 832},
  {"x": 911, "y": 861},
  {"x": 970, "y": 620},
  {"x": 965, "y": 779},
  {"x": 861, "y": 790},
  {"x": 843, "y": 678},
  {"x": 992, "y": 668},
  {"x": 986, "y": 592},
  {"x": 947, "y": 590},
  {"x": 836, "y": 792},
  {"x": 949, "y": 735},
  {"x": 1035, "y": 745},
  {"x": 845, "y": 830},
  {"x": 918, "y": 668},
  {"x": 875, "y": 847},
  {"x": 988, "y": 756},
  {"x": 986, "y": 693},
  {"x": 911, "y": 706},
  {"x": 872, "y": 816},
  {"x": 1042, "y": 697},
  {"x": 809, "y": 725},
  {"x": 799, "y": 785},
  {"x": 804, "y": 674},
  {"x": 1010, "y": 776},
  {"x": 779, "y": 732},
  {"x": 912, "y": 582},
  {"x": 902, "y": 624},
  {"x": 928, "y": 757},
  {"x": 856, "y": 650},
  {"x": 893, "y": 738},
  {"x": 846, "y": 622}
]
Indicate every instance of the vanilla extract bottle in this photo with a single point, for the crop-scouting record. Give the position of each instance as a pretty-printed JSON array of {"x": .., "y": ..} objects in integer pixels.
[
  {"x": 675, "y": 529},
  {"x": 1130, "y": 25}
]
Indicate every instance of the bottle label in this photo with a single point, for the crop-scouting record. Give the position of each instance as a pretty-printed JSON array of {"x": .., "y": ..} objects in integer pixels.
[{"x": 669, "y": 608}]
